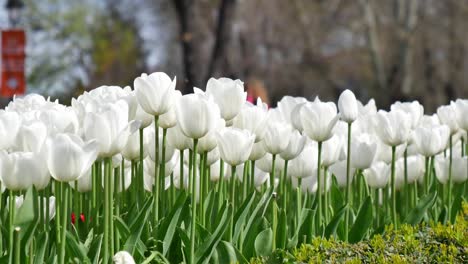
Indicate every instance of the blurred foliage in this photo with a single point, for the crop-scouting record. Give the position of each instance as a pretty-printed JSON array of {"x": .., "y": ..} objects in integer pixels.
[
  {"x": 425, "y": 243},
  {"x": 116, "y": 52}
]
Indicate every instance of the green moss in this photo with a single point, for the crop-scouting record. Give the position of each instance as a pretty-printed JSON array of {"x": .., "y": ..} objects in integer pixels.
[{"x": 425, "y": 243}]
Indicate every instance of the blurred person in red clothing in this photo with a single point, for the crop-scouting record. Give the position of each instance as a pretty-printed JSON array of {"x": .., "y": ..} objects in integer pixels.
[{"x": 256, "y": 89}]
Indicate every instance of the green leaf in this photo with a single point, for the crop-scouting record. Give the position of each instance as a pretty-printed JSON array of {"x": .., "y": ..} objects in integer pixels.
[
  {"x": 227, "y": 253},
  {"x": 416, "y": 215},
  {"x": 95, "y": 249},
  {"x": 263, "y": 203},
  {"x": 282, "y": 229},
  {"x": 76, "y": 248},
  {"x": 304, "y": 215},
  {"x": 137, "y": 227},
  {"x": 27, "y": 217},
  {"x": 26, "y": 213},
  {"x": 205, "y": 250},
  {"x": 124, "y": 230},
  {"x": 333, "y": 225},
  {"x": 363, "y": 221},
  {"x": 169, "y": 225},
  {"x": 457, "y": 201},
  {"x": 40, "y": 252},
  {"x": 241, "y": 216},
  {"x": 264, "y": 243}
]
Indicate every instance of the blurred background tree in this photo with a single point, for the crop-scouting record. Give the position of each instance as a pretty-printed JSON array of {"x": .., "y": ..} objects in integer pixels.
[{"x": 383, "y": 49}]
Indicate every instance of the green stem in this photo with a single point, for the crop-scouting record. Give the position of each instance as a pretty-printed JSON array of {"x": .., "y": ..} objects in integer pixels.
[
  {"x": 233, "y": 202},
  {"x": 221, "y": 184},
  {"x": 106, "y": 210},
  {"x": 202, "y": 189},
  {"x": 283, "y": 185},
  {"x": 274, "y": 222},
  {"x": 244, "y": 181},
  {"x": 319, "y": 186},
  {"x": 377, "y": 207},
  {"x": 181, "y": 170},
  {"x": 252, "y": 174},
  {"x": 426, "y": 175},
  {"x": 140, "y": 175},
  {"x": 299, "y": 201},
  {"x": 450, "y": 185},
  {"x": 17, "y": 246},
  {"x": 406, "y": 186},
  {"x": 47, "y": 207},
  {"x": 393, "y": 190},
  {"x": 272, "y": 174},
  {"x": 11, "y": 214},
  {"x": 194, "y": 203},
  {"x": 65, "y": 219},
  {"x": 348, "y": 183},
  {"x": 41, "y": 210},
  {"x": 156, "y": 186}
]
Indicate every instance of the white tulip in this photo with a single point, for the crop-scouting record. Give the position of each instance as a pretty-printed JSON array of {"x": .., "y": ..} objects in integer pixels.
[
  {"x": 414, "y": 109},
  {"x": 235, "y": 145},
  {"x": 253, "y": 118},
  {"x": 295, "y": 146},
  {"x": 363, "y": 150},
  {"x": 155, "y": 92},
  {"x": 277, "y": 137},
  {"x": 196, "y": 115},
  {"x": 430, "y": 141},
  {"x": 304, "y": 164},
  {"x": 287, "y": 104},
  {"x": 393, "y": 127},
  {"x": 448, "y": 115},
  {"x": 68, "y": 157},
  {"x": 348, "y": 106},
  {"x": 339, "y": 171},
  {"x": 318, "y": 119},
  {"x": 123, "y": 257},
  {"x": 228, "y": 94},
  {"x": 110, "y": 127},
  {"x": 10, "y": 123},
  {"x": 378, "y": 175}
]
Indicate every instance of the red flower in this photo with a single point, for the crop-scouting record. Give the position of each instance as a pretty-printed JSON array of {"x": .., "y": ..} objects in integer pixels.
[{"x": 73, "y": 218}]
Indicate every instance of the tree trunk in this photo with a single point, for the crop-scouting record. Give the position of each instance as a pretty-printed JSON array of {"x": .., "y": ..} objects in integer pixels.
[
  {"x": 183, "y": 10},
  {"x": 374, "y": 44},
  {"x": 219, "y": 57}
]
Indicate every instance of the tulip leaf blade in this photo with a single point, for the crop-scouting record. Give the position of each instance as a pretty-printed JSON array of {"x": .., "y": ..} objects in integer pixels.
[
  {"x": 263, "y": 203},
  {"x": 417, "y": 213},
  {"x": 302, "y": 219},
  {"x": 76, "y": 248},
  {"x": 282, "y": 229},
  {"x": 241, "y": 216},
  {"x": 363, "y": 221},
  {"x": 333, "y": 225},
  {"x": 205, "y": 250},
  {"x": 457, "y": 201},
  {"x": 123, "y": 229},
  {"x": 227, "y": 253},
  {"x": 40, "y": 253},
  {"x": 27, "y": 212},
  {"x": 264, "y": 242},
  {"x": 137, "y": 227},
  {"x": 169, "y": 224}
]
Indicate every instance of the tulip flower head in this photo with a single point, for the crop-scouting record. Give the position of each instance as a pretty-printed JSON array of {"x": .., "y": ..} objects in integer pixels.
[
  {"x": 348, "y": 106},
  {"x": 155, "y": 92}
]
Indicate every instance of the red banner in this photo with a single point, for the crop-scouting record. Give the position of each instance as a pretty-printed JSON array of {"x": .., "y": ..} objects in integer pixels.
[{"x": 13, "y": 56}]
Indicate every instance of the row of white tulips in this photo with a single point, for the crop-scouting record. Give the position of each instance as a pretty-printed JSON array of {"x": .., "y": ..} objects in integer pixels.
[{"x": 114, "y": 138}]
